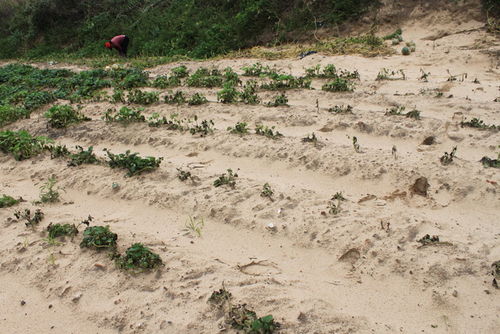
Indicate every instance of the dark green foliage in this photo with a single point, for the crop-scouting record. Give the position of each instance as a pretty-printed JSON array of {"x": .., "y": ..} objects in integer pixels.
[
  {"x": 118, "y": 96},
  {"x": 59, "y": 230},
  {"x": 6, "y": 201},
  {"x": 126, "y": 78},
  {"x": 231, "y": 77},
  {"x": 330, "y": 72},
  {"x": 226, "y": 179},
  {"x": 10, "y": 114},
  {"x": 479, "y": 124},
  {"x": 21, "y": 144},
  {"x": 427, "y": 239},
  {"x": 180, "y": 72},
  {"x": 61, "y": 116},
  {"x": 35, "y": 100},
  {"x": 415, "y": 114},
  {"x": 249, "y": 94},
  {"x": 176, "y": 98},
  {"x": 197, "y": 99},
  {"x": 228, "y": 94},
  {"x": 139, "y": 258},
  {"x": 492, "y": 7},
  {"x": 239, "y": 128},
  {"x": 341, "y": 109},
  {"x": 125, "y": 115},
  {"x": 99, "y": 237},
  {"x": 280, "y": 100},
  {"x": 28, "y": 218},
  {"x": 83, "y": 157},
  {"x": 133, "y": 162},
  {"x": 447, "y": 158},
  {"x": 206, "y": 127},
  {"x": 262, "y": 130},
  {"x": 140, "y": 97},
  {"x": 338, "y": 85},
  {"x": 164, "y": 81},
  {"x": 488, "y": 162}
]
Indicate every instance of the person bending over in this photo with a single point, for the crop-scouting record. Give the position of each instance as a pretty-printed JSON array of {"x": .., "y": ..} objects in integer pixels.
[{"x": 119, "y": 43}]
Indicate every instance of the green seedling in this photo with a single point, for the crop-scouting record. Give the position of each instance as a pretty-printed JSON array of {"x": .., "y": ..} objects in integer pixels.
[
  {"x": 99, "y": 237},
  {"x": 59, "y": 230},
  {"x": 139, "y": 258},
  {"x": 62, "y": 116},
  {"x": 204, "y": 77},
  {"x": 30, "y": 220},
  {"x": 194, "y": 225},
  {"x": 226, "y": 179},
  {"x": 341, "y": 109},
  {"x": 283, "y": 82},
  {"x": 265, "y": 131},
  {"x": 447, "y": 158},
  {"x": 83, "y": 157},
  {"x": 184, "y": 175},
  {"x": 267, "y": 191},
  {"x": 164, "y": 81},
  {"x": 133, "y": 163},
  {"x": 155, "y": 120},
  {"x": 338, "y": 85},
  {"x": 197, "y": 99},
  {"x": 137, "y": 96},
  {"x": 310, "y": 139},
  {"x": 180, "y": 71},
  {"x": 48, "y": 194},
  {"x": 240, "y": 128},
  {"x": 334, "y": 204},
  {"x": 7, "y": 201},
  {"x": 125, "y": 115},
  {"x": 256, "y": 70},
  {"x": 280, "y": 100},
  {"x": 231, "y": 77},
  {"x": 21, "y": 144}
]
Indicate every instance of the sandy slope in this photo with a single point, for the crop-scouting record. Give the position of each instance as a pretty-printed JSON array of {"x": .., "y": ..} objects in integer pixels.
[{"x": 386, "y": 284}]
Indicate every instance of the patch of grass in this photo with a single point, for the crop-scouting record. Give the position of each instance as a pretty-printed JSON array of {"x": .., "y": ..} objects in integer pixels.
[
  {"x": 125, "y": 115},
  {"x": 447, "y": 158},
  {"x": 267, "y": 191},
  {"x": 280, "y": 100},
  {"x": 175, "y": 98},
  {"x": 59, "y": 230},
  {"x": 268, "y": 132},
  {"x": 133, "y": 163},
  {"x": 137, "y": 96},
  {"x": 83, "y": 157},
  {"x": 30, "y": 220},
  {"x": 48, "y": 192},
  {"x": 341, "y": 109},
  {"x": 99, "y": 237},
  {"x": 10, "y": 114},
  {"x": 240, "y": 128},
  {"x": 228, "y": 178},
  {"x": 61, "y": 116},
  {"x": 197, "y": 99},
  {"x": 7, "y": 201},
  {"x": 21, "y": 144},
  {"x": 205, "y": 128},
  {"x": 338, "y": 85},
  {"x": 387, "y": 74},
  {"x": 228, "y": 94},
  {"x": 195, "y": 225},
  {"x": 139, "y": 258},
  {"x": 478, "y": 124}
]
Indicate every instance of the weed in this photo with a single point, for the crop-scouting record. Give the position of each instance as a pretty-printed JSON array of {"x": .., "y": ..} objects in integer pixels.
[
  {"x": 195, "y": 225},
  {"x": 262, "y": 130},
  {"x": 164, "y": 81},
  {"x": 241, "y": 318},
  {"x": 47, "y": 192},
  {"x": 58, "y": 230},
  {"x": 447, "y": 159},
  {"x": 280, "y": 100},
  {"x": 133, "y": 163},
  {"x": 478, "y": 124},
  {"x": 424, "y": 77},
  {"x": 139, "y": 258},
  {"x": 249, "y": 94},
  {"x": 386, "y": 74},
  {"x": 256, "y": 70},
  {"x": 228, "y": 94},
  {"x": 61, "y": 116},
  {"x": 338, "y": 85},
  {"x": 206, "y": 127},
  {"x": 30, "y": 220},
  {"x": 226, "y": 179},
  {"x": 267, "y": 191},
  {"x": 310, "y": 139},
  {"x": 137, "y": 96},
  {"x": 99, "y": 237},
  {"x": 334, "y": 204},
  {"x": 83, "y": 157},
  {"x": 427, "y": 239},
  {"x": 197, "y": 99},
  {"x": 125, "y": 115},
  {"x": 240, "y": 128},
  {"x": 487, "y": 162},
  {"x": 7, "y": 201},
  {"x": 184, "y": 175},
  {"x": 175, "y": 98},
  {"x": 341, "y": 109},
  {"x": 10, "y": 114},
  {"x": 21, "y": 144}
]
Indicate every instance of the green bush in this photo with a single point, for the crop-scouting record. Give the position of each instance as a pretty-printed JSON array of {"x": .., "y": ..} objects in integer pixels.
[
  {"x": 228, "y": 94},
  {"x": 59, "y": 230}
]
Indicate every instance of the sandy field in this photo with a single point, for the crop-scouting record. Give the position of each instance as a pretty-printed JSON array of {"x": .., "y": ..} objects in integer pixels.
[{"x": 361, "y": 270}]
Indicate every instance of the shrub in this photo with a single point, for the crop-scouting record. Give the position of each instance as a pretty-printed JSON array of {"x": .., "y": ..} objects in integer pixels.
[
  {"x": 133, "y": 163},
  {"x": 139, "y": 258},
  {"x": 99, "y": 237},
  {"x": 61, "y": 116}
]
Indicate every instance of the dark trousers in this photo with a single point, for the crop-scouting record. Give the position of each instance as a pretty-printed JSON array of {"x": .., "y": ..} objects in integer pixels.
[{"x": 124, "y": 47}]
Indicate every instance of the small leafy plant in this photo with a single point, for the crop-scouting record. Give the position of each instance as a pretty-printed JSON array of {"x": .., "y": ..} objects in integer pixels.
[
  {"x": 268, "y": 132},
  {"x": 125, "y": 115},
  {"x": 447, "y": 158},
  {"x": 197, "y": 99},
  {"x": 267, "y": 191},
  {"x": 220, "y": 298},
  {"x": 139, "y": 258},
  {"x": 171, "y": 124},
  {"x": 243, "y": 319},
  {"x": 488, "y": 162},
  {"x": 60, "y": 116},
  {"x": 338, "y": 85},
  {"x": 58, "y": 151},
  {"x": 164, "y": 81},
  {"x": 175, "y": 98},
  {"x": 206, "y": 127},
  {"x": 184, "y": 175},
  {"x": 180, "y": 71},
  {"x": 10, "y": 114},
  {"x": 30, "y": 220},
  {"x": 7, "y": 201},
  {"x": 427, "y": 240},
  {"x": 478, "y": 124},
  {"x": 334, "y": 204},
  {"x": 59, "y": 230},
  {"x": 386, "y": 74},
  {"x": 99, "y": 237},
  {"x": 228, "y": 94},
  {"x": 240, "y": 128},
  {"x": 310, "y": 139},
  {"x": 137, "y": 96},
  {"x": 226, "y": 179},
  {"x": 256, "y": 70},
  {"x": 195, "y": 225},
  {"x": 133, "y": 163},
  {"x": 48, "y": 194},
  {"x": 21, "y": 144},
  {"x": 280, "y": 100},
  {"x": 83, "y": 157}
]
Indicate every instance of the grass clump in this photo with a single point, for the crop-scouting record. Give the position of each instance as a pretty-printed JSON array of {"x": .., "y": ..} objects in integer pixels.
[
  {"x": 48, "y": 194},
  {"x": 447, "y": 158},
  {"x": 83, "y": 157},
  {"x": 240, "y": 128},
  {"x": 139, "y": 258},
  {"x": 125, "y": 115},
  {"x": 7, "y": 201},
  {"x": 197, "y": 99},
  {"x": 226, "y": 179},
  {"x": 280, "y": 100},
  {"x": 30, "y": 220},
  {"x": 338, "y": 85},
  {"x": 137, "y": 96},
  {"x": 268, "y": 132},
  {"x": 99, "y": 237},
  {"x": 133, "y": 163},
  {"x": 10, "y": 114},
  {"x": 61, "y": 116},
  {"x": 21, "y": 144},
  {"x": 59, "y": 230}
]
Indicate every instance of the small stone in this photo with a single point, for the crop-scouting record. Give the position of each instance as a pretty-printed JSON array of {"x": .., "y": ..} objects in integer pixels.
[
  {"x": 421, "y": 186},
  {"x": 50, "y": 306},
  {"x": 23, "y": 303},
  {"x": 77, "y": 297},
  {"x": 455, "y": 293}
]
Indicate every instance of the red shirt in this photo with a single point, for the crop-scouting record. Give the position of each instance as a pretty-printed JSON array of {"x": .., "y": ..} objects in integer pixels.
[{"x": 116, "y": 42}]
